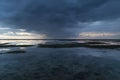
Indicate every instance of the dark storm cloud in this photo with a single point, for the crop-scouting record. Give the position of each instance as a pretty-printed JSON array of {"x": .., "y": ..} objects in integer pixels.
[{"x": 56, "y": 18}]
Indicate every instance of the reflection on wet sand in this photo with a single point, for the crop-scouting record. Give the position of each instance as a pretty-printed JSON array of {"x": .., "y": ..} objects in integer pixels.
[
  {"x": 4, "y": 49},
  {"x": 8, "y": 45},
  {"x": 22, "y": 42}
]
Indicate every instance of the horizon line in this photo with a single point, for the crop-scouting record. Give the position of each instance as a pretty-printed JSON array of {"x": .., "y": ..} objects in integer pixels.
[{"x": 60, "y": 39}]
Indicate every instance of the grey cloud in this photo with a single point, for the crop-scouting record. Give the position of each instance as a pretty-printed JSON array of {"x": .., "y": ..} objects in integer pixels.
[
  {"x": 103, "y": 26},
  {"x": 56, "y": 18}
]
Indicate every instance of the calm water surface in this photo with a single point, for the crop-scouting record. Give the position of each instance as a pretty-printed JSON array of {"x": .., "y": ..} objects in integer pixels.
[{"x": 58, "y": 63}]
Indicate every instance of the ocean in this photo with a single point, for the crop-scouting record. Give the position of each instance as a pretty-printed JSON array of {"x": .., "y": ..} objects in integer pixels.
[{"x": 33, "y": 62}]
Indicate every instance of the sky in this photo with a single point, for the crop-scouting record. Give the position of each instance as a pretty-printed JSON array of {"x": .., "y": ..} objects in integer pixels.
[{"x": 46, "y": 19}]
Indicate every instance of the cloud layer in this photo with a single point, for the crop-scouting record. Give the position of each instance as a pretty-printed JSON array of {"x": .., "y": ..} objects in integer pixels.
[{"x": 61, "y": 18}]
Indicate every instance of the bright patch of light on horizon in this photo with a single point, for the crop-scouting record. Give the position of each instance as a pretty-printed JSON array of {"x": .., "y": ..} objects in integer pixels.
[
  {"x": 18, "y": 33},
  {"x": 97, "y": 34},
  {"x": 9, "y": 33},
  {"x": 22, "y": 37}
]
